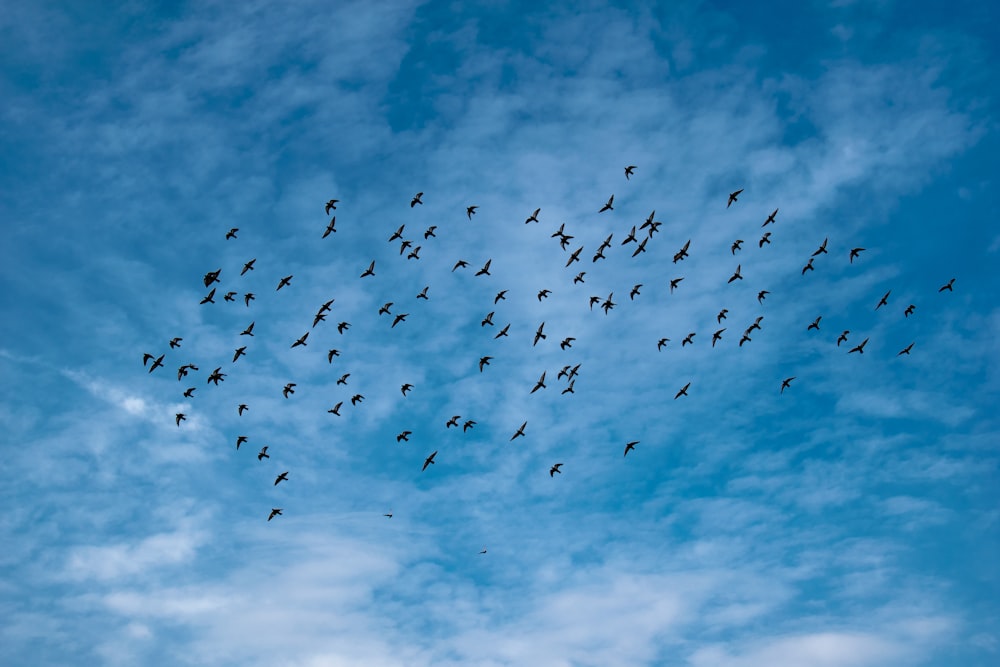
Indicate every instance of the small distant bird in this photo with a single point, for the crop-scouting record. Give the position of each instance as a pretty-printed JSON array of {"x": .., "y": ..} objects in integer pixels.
[
  {"x": 534, "y": 216},
  {"x": 484, "y": 361},
  {"x": 629, "y": 446},
  {"x": 594, "y": 300},
  {"x": 483, "y": 551},
  {"x": 674, "y": 283},
  {"x": 405, "y": 388},
  {"x": 501, "y": 296},
  {"x": 717, "y": 336},
  {"x": 175, "y": 342},
  {"x": 815, "y": 324},
  {"x": 761, "y": 294},
  {"x": 229, "y": 296},
  {"x": 404, "y": 436},
  {"x": 860, "y": 349},
  {"x": 239, "y": 441},
  {"x": 607, "y": 206},
  {"x": 326, "y": 306},
  {"x": 737, "y": 245},
  {"x": 808, "y": 267},
  {"x": 209, "y": 298},
  {"x": 683, "y": 252},
  {"x": 766, "y": 238},
  {"x": 384, "y": 310},
  {"x": 370, "y": 271},
  {"x": 248, "y": 266},
  {"x": 398, "y": 234},
  {"x": 460, "y": 264},
  {"x": 884, "y": 301},
  {"x": 179, "y": 417},
  {"x": 909, "y": 310},
  {"x": 423, "y": 292},
  {"x": 243, "y": 408},
  {"x": 331, "y": 354},
  {"x": 597, "y": 255},
  {"x": 737, "y": 275},
  {"x": 660, "y": 344},
  {"x": 575, "y": 257},
  {"x": 470, "y": 211},
  {"x": 274, "y": 512},
  {"x": 503, "y": 332},
  {"x": 756, "y": 324},
  {"x": 240, "y": 351},
  {"x": 785, "y": 384},
  {"x": 287, "y": 280},
  {"x": 331, "y": 205},
  {"x": 189, "y": 392},
  {"x": 399, "y": 318},
  {"x": 281, "y": 478},
  {"x": 631, "y": 237},
  {"x": 721, "y": 316},
  {"x": 733, "y": 196},
  {"x": 566, "y": 343},
  {"x": 301, "y": 340},
  {"x": 467, "y": 425},
  {"x": 579, "y": 277},
  {"x": 905, "y": 350},
  {"x": 688, "y": 340},
  {"x": 404, "y": 245},
  {"x": 147, "y": 356},
  {"x": 249, "y": 330},
  {"x": 343, "y": 379},
  {"x": 745, "y": 338},
  {"x": 289, "y": 389},
  {"x": 156, "y": 362},
  {"x": 429, "y": 460},
  {"x": 212, "y": 277},
  {"x": 539, "y": 385},
  {"x": 843, "y": 337},
  {"x": 262, "y": 454},
  {"x": 416, "y": 199},
  {"x": 430, "y": 232},
  {"x": 519, "y": 433},
  {"x": 683, "y": 391},
  {"x": 216, "y": 376},
  {"x": 854, "y": 253},
  {"x": 335, "y": 410},
  {"x": 634, "y": 292},
  {"x": 641, "y": 247},
  {"x": 357, "y": 398},
  {"x": 555, "y": 469},
  {"x": 629, "y": 170},
  {"x": 415, "y": 254},
  {"x": 389, "y": 514},
  {"x": 247, "y": 298},
  {"x": 822, "y": 248},
  {"x": 770, "y": 218},
  {"x": 453, "y": 421},
  {"x": 539, "y": 334},
  {"x": 948, "y": 286},
  {"x": 543, "y": 294},
  {"x": 330, "y": 227},
  {"x": 342, "y": 327},
  {"x": 569, "y": 388}
]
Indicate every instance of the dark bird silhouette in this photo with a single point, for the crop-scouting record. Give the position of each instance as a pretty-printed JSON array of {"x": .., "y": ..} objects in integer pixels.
[
  {"x": 399, "y": 318},
  {"x": 683, "y": 252},
  {"x": 357, "y": 398},
  {"x": 634, "y": 292},
  {"x": 631, "y": 237},
  {"x": 503, "y": 332},
  {"x": 415, "y": 254},
  {"x": 326, "y": 306},
  {"x": 766, "y": 238},
  {"x": 569, "y": 388},
  {"x": 262, "y": 454},
  {"x": 429, "y": 460},
  {"x": 175, "y": 343},
  {"x": 404, "y": 245},
  {"x": 247, "y": 298},
  {"x": 416, "y": 199},
  {"x": 641, "y": 247},
  {"x": 594, "y": 300},
  {"x": 674, "y": 283},
  {"x": 519, "y": 433},
  {"x": 808, "y": 267},
  {"x": 240, "y": 439},
  {"x": 249, "y": 330},
  {"x": 370, "y": 271},
  {"x": 905, "y": 350},
  {"x": 242, "y": 408},
  {"x": 459, "y": 264},
  {"x": 717, "y": 336},
  {"x": 543, "y": 294},
  {"x": 189, "y": 392},
  {"x": 539, "y": 385},
  {"x": 240, "y": 351},
  {"x": 815, "y": 324},
  {"x": 721, "y": 316},
  {"x": 384, "y": 310},
  {"x": 216, "y": 376},
  {"x": 405, "y": 388},
  {"x": 331, "y": 205},
  {"x": 770, "y": 218},
  {"x": 909, "y": 310},
  {"x": 483, "y": 551},
  {"x": 398, "y": 234},
  {"x": 430, "y": 232},
  {"x": 688, "y": 340},
  {"x": 453, "y": 421},
  {"x": 948, "y": 286},
  {"x": 579, "y": 277},
  {"x": 485, "y": 271},
  {"x": 745, "y": 338},
  {"x": 629, "y": 170},
  {"x": 404, "y": 436},
  {"x": 389, "y": 514},
  {"x": 822, "y": 248},
  {"x": 539, "y": 334},
  {"x": 785, "y": 384},
  {"x": 248, "y": 266},
  {"x": 209, "y": 298},
  {"x": 331, "y": 354},
  {"x": 761, "y": 294},
  {"x": 566, "y": 343},
  {"x": 860, "y": 349},
  {"x": 287, "y": 280},
  {"x": 843, "y": 337},
  {"x": 423, "y": 292},
  {"x": 555, "y": 469},
  {"x": 575, "y": 257},
  {"x": 884, "y": 301},
  {"x": 301, "y": 340},
  {"x": 335, "y": 410},
  {"x": 484, "y": 361},
  {"x": 229, "y": 296},
  {"x": 156, "y": 362},
  {"x": 212, "y": 277},
  {"x": 534, "y": 216},
  {"x": 854, "y": 253},
  {"x": 683, "y": 391},
  {"x": 737, "y": 245},
  {"x": 756, "y": 324},
  {"x": 274, "y": 512},
  {"x": 733, "y": 196},
  {"x": 469, "y": 423},
  {"x": 608, "y": 207},
  {"x": 289, "y": 389},
  {"x": 281, "y": 478},
  {"x": 660, "y": 344},
  {"x": 736, "y": 275},
  {"x": 330, "y": 227},
  {"x": 629, "y": 446},
  {"x": 343, "y": 379},
  {"x": 501, "y": 295},
  {"x": 147, "y": 356},
  {"x": 342, "y": 327},
  {"x": 179, "y": 417},
  {"x": 470, "y": 211}
]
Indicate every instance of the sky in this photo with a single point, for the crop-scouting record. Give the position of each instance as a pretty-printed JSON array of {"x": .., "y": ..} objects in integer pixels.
[{"x": 848, "y": 520}]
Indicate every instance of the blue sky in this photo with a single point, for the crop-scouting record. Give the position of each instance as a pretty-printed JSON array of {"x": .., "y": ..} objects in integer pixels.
[{"x": 850, "y": 520}]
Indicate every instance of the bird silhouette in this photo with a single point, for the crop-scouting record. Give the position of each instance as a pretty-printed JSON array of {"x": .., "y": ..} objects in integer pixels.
[
  {"x": 175, "y": 343},
  {"x": 534, "y": 216},
  {"x": 212, "y": 277},
  {"x": 342, "y": 327},
  {"x": 335, "y": 410},
  {"x": 485, "y": 271},
  {"x": 357, "y": 398},
  {"x": 398, "y": 234},
  {"x": 239, "y": 441},
  {"x": 249, "y": 330},
  {"x": 343, "y": 379},
  {"x": 156, "y": 362},
  {"x": 736, "y": 275},
  {"x": 281, "y": 478},
  {"x": 717, "y": 336},
  {"x": 460, "y": 264},
  {"x": 242, "y": 408},
  {"x": 247, "y": 298},
  {"x": 854, "y": 253},
  {"x": 287, "y": 280},
  {"x": 575, "y": 256},
  {"x": 423, "y": 292},
  {"x": 607, "y": 206},
  {"x": 629, "y": 446},
  {"x": 404, "y": 436},
  {"x": 860, "y": 349},
  {"x": 815, "y": 324},
  {"x": 430, "y": 232},
  {"x": 721, "y": 316},
  {"x": 909, "y": 310},
  {"x": 660, "y": 344},
  {"x": 274, "y": 512},
  {"x": 429, "y": 460},
  {"x": 555, "y": 469},
  {"x": 209, "y": 298},
  {"x": 331, "y": 205},
  {"x": 179, "y": 417},
  {"x": 822, "y": 248},
  {"x": 501, "y": 296},
  {"x": 640, "y": 248},
  {"x": 248, "y": 266},
  {"x": 416, "y": 199},
  {"x": 629, "y": 170},
  {"x": 471, "y": 211},
  {"x": 770, "y": 218},
  {"x": 843, "y": 337},
  {"x": 905, "y": 350},
  {"x": 240, "y": 351},
  {"x": 519, "y": 433},
  {"x": 761, "y": 294},
  {"x": 370, "y": 271},
  {"x": 737, "y": 245},
  {"x": 785, "y": 384},
  {"x": 579, "y": 277},
  {"x": 566, "y": 343},
  {"x": 289, "y": 389},
  {"x": 569, "y": 388},
  {"x": 399, "y": 318},
  {"x": 733, "y": 196},
  {"x": 688, "y": 340},
  {"x": 539, "y": 385},
  {"x": 453, "y": 421},
  {"x": 631, "y": 237},
  {"x": 384, "y": 310},
  {"x": 301, "y": 340},
  {"x": 262, "y": 454},
  {"x": 543, "y": 294},
  {"x": 405, "y": 388},
  {"x": 948, "y": 286},
  {"x": 503, "y": 332},
  {"x": 189, "y": 392},
  {"x": 539, "y": 334},
  {"x": 229, "y": 296},
  {"x": 884, "y": 301},
  {"x": 634, "y": 292},
  {"x": 808, "y": 267},
  {"x": 674, "y": 283},
  {"x": 330, "y": 227},
  {"x": 484, "y": 361},
  {"x": 766, "y": 238},
  {"x": 331, "y": 354},
  {"x": 682, "y": 392}
]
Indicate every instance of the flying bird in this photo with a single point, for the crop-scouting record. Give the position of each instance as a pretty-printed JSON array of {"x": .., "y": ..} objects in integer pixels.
[
  {"x": 415, "y": 254},
  {"x": 343, "y": 379},
  {"x": 281, "y": 478},
  {"x": 330, "y": 227},
  {"x": 216, "y": 376},
  {"x": 429, "y": 460},
  {"x": 808, "y": 267},
  {"x": 770, "y": 218},
  {"x": 631, "y": 237},
  {"x": 357, "y": 398},
  {"x": 948, "y": 286},
  {"x": 634, "y": 292},
  {"x": 242, "y": 408},
  {"x": 398, "y": 234},
  {"x": 471, "y": 211},
  {"x": 239, "y": 441},
  {"x": 331, "y": 205},
  {"x": 575, "y": 257},
  {"x": 175, "y": 343},
  {"x": 674, "y": 283},
  {"x": 566, "y": 343},
  {"x": 287, "y": 280},
  {"x": 815, "y": 324},
  {"x": 539, "y": 385},
  {"x": 733, "y": 196},
  {"x": 660, "y": 344},
  {"x": 484, "y": 361},
  {"x": 342, "y": 327},
  {"x": 209, "y": 298},
  {"x": 262, "y": 454},
  {"x": 274, "y": 512},
  {"x": 453, "y": 421},
  {"x": 430, "y": 232},
  {"x": 539, "y": 334},
  {"x": 331, "y": 354},
  {"x": 736, "y": 276},
  {"x": 640, "y": 248},
  {"x": 289, "y": 389},
  {"x": 156, "y": 362},
  {"x": 405, "y": 388},
  {"x": 189, "y": 392},
  {"x": 579, "y": 277},
  {"x": 404, "y": 436},
  {"x": 629, "y": 446},
  {"x": 212, "y": 277},
  {"x": 335, "y": 410},
  {"x": 785, "y": 384},
  {"x": 179, "y": 417},
  {"x": 460, "y": 264},
  {"x": 737, "y": 245},
  {"x": 555, "y": 469},
  {"x": 416, "y": 199},
  {"x": 608, "y": 207},
  {"x": 860, "y": 349},
  {"x": 689, "y": 339},
  {"x": 884, "y": 301},
  {"x": 761, "y": 294},
  {"x": 501, "y": 295},
  {"x": 240, "y": 351},
  {"x": 485, "y": 271},
  {"x": 534, "y": 216},
  {"x": 248, "y": 266},
  {"x": 909, "y": 310},
  {"x": 717, "y": 336},
  {"x": 229, "y": 296},
  {"x": 854, "y": 253},
  {"x": 629, "y": 170},
  {"x": 683, "y": 391},
  {"x": 249, "y": 330},
  {"x": 370, "y": 271},
  {"x": 569, "y": 388},
  {"x": 543, "y": 294},
  {"x": 721, "y": 316},
  {"x": 766, "y": 238},
  {"x": 905, "y": 350},
  {"x": 519, "y": 433},
  {"x": 843, "y": 337},
  {"x": 503, "y": 332},
  {"x": 399, "y": 318},
  {"x": 247, "y": 298},
  {"x": 384, "y": 310},
  {"x": 822, "y": 248},
  {"x": 301, "y": 340},
  {"x": 423, "y": 292}
]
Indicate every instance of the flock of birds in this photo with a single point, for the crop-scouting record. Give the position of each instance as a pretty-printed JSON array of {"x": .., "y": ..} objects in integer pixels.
[{"x": 635, "y": 240}]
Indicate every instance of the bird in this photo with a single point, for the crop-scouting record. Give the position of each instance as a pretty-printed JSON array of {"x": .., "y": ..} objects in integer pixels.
[
  {"x": 175, "y": 343},
  {"x": 326, "y": 306},
  {"x": 384, "y": 310},
  {"x": 766, "y": 238},
  {"x": 229, "y": 296},
  {"x": 274, "y": 512},
  {"x": 593, "y": 300},
  {"x": 335, "y": 410},
  {"x": 785, "y": 384},
  {"x": 287, "y": 280},
  {"x": 389, "y": 514},
  {"x": 569, "y": 388},
  {"x": 423, "y": 292},
  {"x": 330, "y": 227},
  {"x": 721, "y": 316},
  {"x": 453, "y": 421},
  {"x": 404, "y": 436},
  {"x": 683, "y": 252},
  {"x": 607, "y": 206},
  {"x": 242, "y": 408},
  {"x": 370, "y": 271},
  {"x": 331, "y": 354},
  {"x": 566, "y": 343},
  {"x": 249, "y": 330},
  {"x": 905, "y": 350},
  {"x": 660, "y": 344},
  {"x": 248, "y": 266},
  {"x": 483, "y": 551},
  {"x": 640, "y": 248},
  {"x": 539, "y": 334},
  {"x": 247, "y": 298},
  {"x": 429, "y": 460},
  {"x": 357, "y": 398},
  {"x": 733, "y": 196},
  {"x": 485, "y": 271},
  {"x": 216, "y": 376},
  {"x": 501, "y": 296},
  {"x": 398, "y": 234},
  {"x": 179, "y": 417},
  {"x": 683, "y": 391},
  {"x": 399, "y": 318},
  {"x": 555, "y": 469},
  {"x": 430, "y": 232},
  {"x": 503, "y": 332},
  {"x": 761, "y": 294},
  {"x": 575, "y": 257},
  {"x": 716, "y": 336},
  {"x": 157, "y": 362},
  {"x": 534, "y": 216},
  {"x": 674, "y": 283},
  {"x": 815, "y": 324},
  {"x": 281, "y": 478},
  {"x": 543, "y": 294},
  {"x": 301, "y": 340},
  {"x": 519, "y": 433},
  {"x": 416, "y": 199},
  {"x": 240, "y": 439},
  {"x": 629, "y": 170},
  {"x": 843, "y": 337},
  {"x": 756, "y": 324},
  {"x": 689, "y": 339},
  {"x": 343, "y": 379},
  {"x": 854, "y": 253},
  {"x": 947, "y": 286},
  {"x": 262, "y": 454},
  {"x": 629, "y": 446},
  {"x": 909, "y": 310},
  {"x": 460, "y": 264},
  {"x": 342, "y": 327},
  {"x": 737, "y": 245},
  {"x": 209, "y": 298},
  {"x": 770, "y": 218},
  {"x": 860, "y": 349},
  {"x": 539, "y": 385},
  {"x": 745, "y": 339},
  {"x": 631, "y": 237},
  {"x": 484, "y": 361},
  {"x": 808, "y": 267},
  {"x": 884, "y": 301},
  {"x": 289, "y": 389},
  {"x": 470, "y": 211},
  {"x": 822, "y": 248},
  {"x": 240, "y": 351},
  {"x": 212, "y": 277},
  {"x": 189, "y": 392},
  {"x": 579, "y": 277},
  {"x": 736, "y": 276},
  {"x": 634, "y": 292},
  {"x": 405, "y": 388},
  {"x": 331, "y": 205}
]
